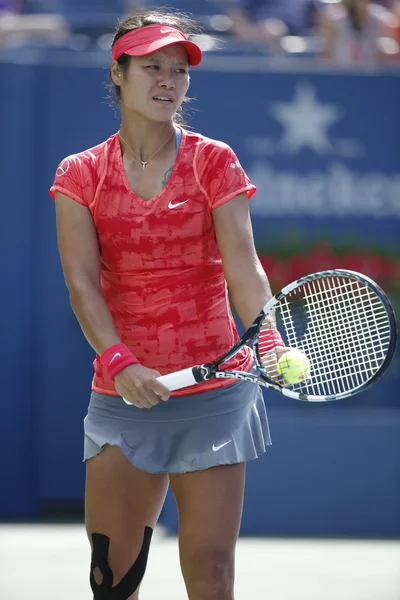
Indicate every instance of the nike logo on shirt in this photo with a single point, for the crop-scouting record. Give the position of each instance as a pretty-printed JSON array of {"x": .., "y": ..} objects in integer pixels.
[
  {"x": 170, "y": 205},
  {"x": 215, "y": 448}
]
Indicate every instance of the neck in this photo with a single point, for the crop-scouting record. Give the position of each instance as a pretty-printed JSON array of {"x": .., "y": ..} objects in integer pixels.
[{"x": 144, "y": 138}]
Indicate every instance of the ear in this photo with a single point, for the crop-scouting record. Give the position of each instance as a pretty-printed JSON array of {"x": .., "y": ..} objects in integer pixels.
[{"x": 116, "y": 73}]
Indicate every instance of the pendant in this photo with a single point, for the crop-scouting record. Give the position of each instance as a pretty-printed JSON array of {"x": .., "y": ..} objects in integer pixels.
[{"x": 144, "y": 164}]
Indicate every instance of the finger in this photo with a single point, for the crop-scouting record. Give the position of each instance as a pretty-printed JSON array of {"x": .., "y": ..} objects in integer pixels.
[
  {"x": 273, "y": 367},
  {"x": 133, "y": 402},
  {"x": 160, "y": 389},
  {"x": 152, "y": 398},
  {"x": 137, "y": 398},
  {"x": 155, "y": 373},
  {"x": 148, "y": 399},
  {"x": 280, "y": 351},
  {"x": 163, "y": 393}
]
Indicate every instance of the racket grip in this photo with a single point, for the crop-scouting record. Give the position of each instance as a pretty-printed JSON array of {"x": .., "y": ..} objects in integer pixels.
[
  {"x": 178, "y": 380},
  {"x": 175, "y": 381}
]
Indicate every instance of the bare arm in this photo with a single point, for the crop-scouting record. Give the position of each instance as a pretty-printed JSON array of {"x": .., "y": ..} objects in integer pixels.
[
  {"x": 248, "y": 284},
  {"x": 326, "y": 34},
  {"x": 80, "y": 258}
]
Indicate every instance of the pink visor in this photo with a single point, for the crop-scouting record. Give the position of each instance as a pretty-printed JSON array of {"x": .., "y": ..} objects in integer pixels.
[{"x": 150, "y": 38}]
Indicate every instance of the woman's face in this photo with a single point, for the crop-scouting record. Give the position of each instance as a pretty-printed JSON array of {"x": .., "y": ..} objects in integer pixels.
[{"x": 155, "y": 85}]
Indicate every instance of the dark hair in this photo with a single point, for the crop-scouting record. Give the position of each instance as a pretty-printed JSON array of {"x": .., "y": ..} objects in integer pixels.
[{"x": 141, "y": 18}]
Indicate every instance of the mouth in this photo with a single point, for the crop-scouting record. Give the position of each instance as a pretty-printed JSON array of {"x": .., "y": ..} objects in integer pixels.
[{"x": 163, "y": 99}]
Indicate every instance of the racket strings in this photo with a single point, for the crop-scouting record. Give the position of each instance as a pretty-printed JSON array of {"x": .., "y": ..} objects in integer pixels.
[
  {"x": 341, "y": 326},
  {"x": 347, "y": 373},
  {"x": 349, "y": 345}
]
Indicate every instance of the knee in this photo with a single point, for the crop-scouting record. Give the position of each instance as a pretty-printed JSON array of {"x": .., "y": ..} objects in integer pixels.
[
  {"x": 116, "y": 583},
  {"x": 209, "y": 574}
]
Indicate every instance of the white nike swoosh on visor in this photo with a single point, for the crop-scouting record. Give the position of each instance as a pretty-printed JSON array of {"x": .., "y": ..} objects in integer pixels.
[
  {"x": 170, "y": 205},
  {"x": 215, "y": 448},
  {"x": 167, "y": 30}
]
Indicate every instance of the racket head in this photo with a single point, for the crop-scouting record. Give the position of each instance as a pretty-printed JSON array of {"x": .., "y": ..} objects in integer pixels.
[{"x": 344, "y": 324}]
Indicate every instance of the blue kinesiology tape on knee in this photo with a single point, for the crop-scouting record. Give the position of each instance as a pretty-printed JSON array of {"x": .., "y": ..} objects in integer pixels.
[{"x": 130, "y": 582}]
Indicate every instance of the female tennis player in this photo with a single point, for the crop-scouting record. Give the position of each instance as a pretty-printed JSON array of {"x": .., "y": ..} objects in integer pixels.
[{"x": 153, "y": 230}]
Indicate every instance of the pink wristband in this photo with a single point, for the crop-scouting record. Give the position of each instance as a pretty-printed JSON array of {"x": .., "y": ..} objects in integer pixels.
[
  {"x": 269, "y": 339},
  {"x": 116, "y": 358}
]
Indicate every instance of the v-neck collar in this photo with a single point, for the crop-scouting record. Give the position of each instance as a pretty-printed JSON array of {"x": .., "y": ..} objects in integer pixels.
[{"x": 169, "y": 182}]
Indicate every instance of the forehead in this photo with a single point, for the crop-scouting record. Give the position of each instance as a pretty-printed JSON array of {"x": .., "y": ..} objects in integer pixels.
[{"x": 173, "y": 53}]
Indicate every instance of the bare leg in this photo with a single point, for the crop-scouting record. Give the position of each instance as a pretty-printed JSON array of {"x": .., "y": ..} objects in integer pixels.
[
  {"x": 210, "y": 508},
  {"x": 121, "y": 501}
]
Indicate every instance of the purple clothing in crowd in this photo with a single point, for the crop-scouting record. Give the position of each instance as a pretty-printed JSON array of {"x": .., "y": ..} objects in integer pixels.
[
  {"x": 298, "y": 15},
  {"x": 8, "y": 5}
]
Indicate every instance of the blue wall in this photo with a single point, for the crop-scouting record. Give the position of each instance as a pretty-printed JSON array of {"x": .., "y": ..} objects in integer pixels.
[{"x": 324, "y": 150}]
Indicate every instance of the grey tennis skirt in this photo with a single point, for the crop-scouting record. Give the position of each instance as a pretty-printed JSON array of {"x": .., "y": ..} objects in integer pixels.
[{"x": 187, "y": 433}]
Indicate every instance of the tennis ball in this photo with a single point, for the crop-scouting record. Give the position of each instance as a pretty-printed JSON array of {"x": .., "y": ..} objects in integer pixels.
[{"x": 294, "y": 366}]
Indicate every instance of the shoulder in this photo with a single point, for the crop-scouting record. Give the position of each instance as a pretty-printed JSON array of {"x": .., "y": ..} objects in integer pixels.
[
  {"x": 197, "y": 139},
  {"x": 86, "y": 160},
  {"x": 217, "y": 170},
  {"x": 206, "y": 148},
  {"x": 78, "y": 175}
]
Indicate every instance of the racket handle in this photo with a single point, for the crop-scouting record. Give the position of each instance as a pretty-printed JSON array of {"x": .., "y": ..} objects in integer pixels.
[
  {"x": 175, "y": 381},
  {"x": 178, "y": 380}
]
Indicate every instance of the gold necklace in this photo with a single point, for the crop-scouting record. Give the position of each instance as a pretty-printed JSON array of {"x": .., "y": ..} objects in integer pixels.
[{"x": 144, "y": 163}]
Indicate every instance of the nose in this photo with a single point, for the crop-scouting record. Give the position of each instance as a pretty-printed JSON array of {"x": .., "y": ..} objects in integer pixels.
[{"x": 166, "y": 82}]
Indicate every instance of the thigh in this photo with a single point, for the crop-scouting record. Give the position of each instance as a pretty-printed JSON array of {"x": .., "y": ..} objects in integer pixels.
[
  {"x": 210, "y": 506},
  {"x": 120, "y": 501}
]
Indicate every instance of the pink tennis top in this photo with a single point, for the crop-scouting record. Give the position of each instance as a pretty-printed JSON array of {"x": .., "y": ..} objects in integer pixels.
[{"x": 161, "y": 270}]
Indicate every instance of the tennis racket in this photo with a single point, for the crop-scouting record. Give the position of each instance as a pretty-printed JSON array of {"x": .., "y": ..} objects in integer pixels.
[{"x": 341, "y": 320}]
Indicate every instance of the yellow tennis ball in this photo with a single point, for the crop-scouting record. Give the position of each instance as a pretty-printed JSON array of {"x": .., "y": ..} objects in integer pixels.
[{"x": 294, "y": 366}]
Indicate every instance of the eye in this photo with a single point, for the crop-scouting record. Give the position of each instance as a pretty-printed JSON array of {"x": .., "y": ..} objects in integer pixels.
[
  {"x": 184, "y": 71},
  {"x": 154, "y": 67}
]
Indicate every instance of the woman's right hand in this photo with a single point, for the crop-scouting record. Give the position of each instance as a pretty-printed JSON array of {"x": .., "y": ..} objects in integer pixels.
[{"x": 139, "y": 386}]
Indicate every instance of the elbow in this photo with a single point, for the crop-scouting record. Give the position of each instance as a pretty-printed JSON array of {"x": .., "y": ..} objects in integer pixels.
[
  {"x": 80, "y": 287},
  {"x": 248, "y": 277}
]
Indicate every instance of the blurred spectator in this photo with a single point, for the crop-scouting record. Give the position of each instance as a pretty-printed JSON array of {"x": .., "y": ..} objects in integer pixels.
[
  {"x": 7, "y": 6},
  {"x": 68, "y": 7},
  {"x": 396, "y": 13},
  {"x": 17, "y": 28},
  {"x": 270, "y": 20},
  {"x": 357, "y": 33},
  {"x": 88, "y": 20}
]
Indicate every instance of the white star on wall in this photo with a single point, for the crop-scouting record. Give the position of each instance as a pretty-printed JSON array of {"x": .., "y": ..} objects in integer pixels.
[{"x": 306, "y": 121}]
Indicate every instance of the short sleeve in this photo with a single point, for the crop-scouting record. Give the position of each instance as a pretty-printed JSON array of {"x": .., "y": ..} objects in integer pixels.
[
  {"x": 227, "y": 179},
  {"x": 68, "y": 180}
]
